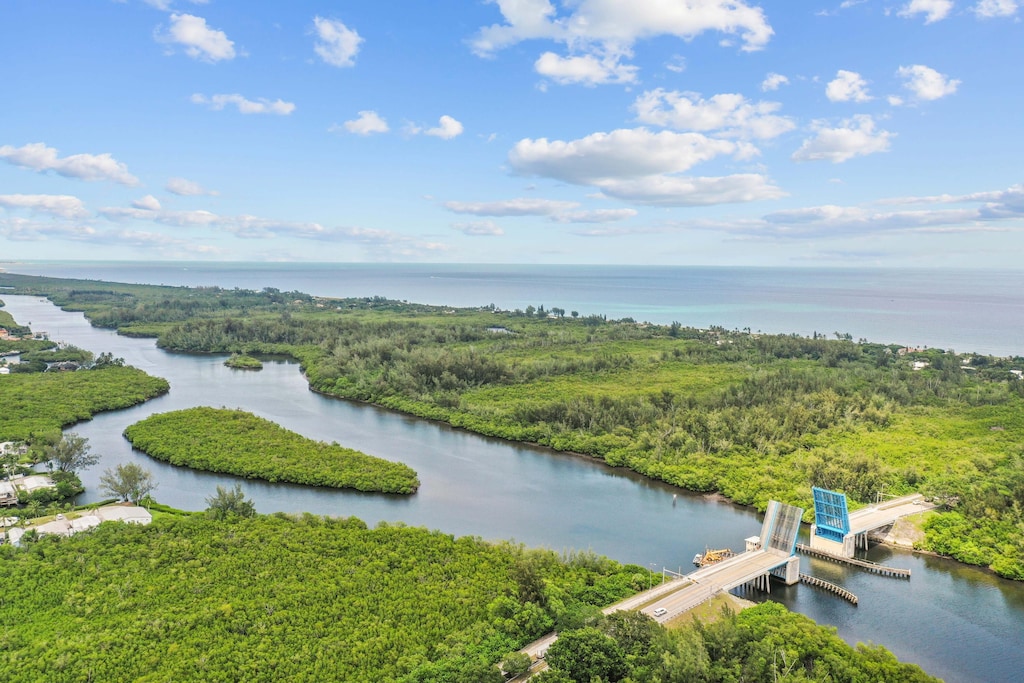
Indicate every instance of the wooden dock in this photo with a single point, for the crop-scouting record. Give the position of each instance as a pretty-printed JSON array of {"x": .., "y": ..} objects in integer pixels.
[
  {"x": 894, "y": 572},
  {"x": 830, "y": 587}
]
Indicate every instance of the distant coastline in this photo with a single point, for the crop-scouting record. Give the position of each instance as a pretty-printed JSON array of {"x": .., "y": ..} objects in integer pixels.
[{"x": 965, "y": 310}]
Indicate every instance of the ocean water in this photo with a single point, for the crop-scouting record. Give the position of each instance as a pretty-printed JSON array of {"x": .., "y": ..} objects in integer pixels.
[{"x": 964, "y": 310}]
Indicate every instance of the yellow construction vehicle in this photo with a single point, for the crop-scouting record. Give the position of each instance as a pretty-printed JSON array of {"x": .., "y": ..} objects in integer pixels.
[{"x": 710, "y": 556}]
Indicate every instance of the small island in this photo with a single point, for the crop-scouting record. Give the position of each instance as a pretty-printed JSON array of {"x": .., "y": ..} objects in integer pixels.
[
  {"x": 240, "y": 361},
  {"x": 240, "y": 443}
]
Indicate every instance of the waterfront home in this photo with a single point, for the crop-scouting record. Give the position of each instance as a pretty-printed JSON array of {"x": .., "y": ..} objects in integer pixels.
[{"x": 67, "y": 525}]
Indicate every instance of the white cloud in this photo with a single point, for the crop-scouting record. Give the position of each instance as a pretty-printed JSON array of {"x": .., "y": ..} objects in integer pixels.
[
  {"x": 665, "y": 190},
  {"x": 38, "y": 157},
  {"x": 620, "y": 153},
  {"x": 589, "y": 69},
  {"x": 369, "y": 122},
  {"x": 677, "y": 64},
  {"x": 990, "y": 9},
  {"x": 597, "y": 216},
  {"x": 23, "y": 230},
  {"x": 855, "y": 137},
  {"x": 600, "y": 33},
  {"x": 199, "y": 40},
  {"x": 59, "y": 205},
  {"x": 994, "y": 205},
  {"x": 245, "y": 106},
  {"x": 447, "y": 128},
  {"x": 165, "y": 5},
  {"x": 382, "y": 244},
  {"x": 337, "y": 44},
  {"x": 926, "y": 83},
  {"x": 147, "y": 203},
  {"x": 640, "y": 166},
  {"x": 512, "y": 207},
  {"x": 772, "y": 82},
  {"x": 979, "y": 212},
  {"x": 186, "y": 188},
  {"x": 728, "y": 113},
  {"x": 934, "y": 10},
  {"x": 620, "y": 24},
  {"x": 847, "y": 86},
  {"x": 478, "y": 228}
]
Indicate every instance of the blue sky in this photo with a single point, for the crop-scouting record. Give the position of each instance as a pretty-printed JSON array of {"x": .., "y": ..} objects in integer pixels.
[{"x": 696, "y": 132}]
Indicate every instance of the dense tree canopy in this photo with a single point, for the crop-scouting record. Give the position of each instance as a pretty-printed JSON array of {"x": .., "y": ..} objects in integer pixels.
[
  {"x": 38, "y": 405},
  {"x": 280, "y": 599},
  {"x": 763, "y": 644}
]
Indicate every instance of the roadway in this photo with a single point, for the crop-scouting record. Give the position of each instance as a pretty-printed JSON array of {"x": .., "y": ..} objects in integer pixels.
[
  {"x": 679, "y": 595},
  {"x": 885, "y": 514}
]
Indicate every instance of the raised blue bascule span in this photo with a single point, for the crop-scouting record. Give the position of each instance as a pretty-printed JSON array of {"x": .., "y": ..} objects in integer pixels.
[{"x": 831, "y": 516}]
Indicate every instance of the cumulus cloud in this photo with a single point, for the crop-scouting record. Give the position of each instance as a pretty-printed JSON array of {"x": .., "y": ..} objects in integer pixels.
[
  {"x": 199, "y": 40},
  {"x": 934, "y": 10},
  {"x": 853, "y": 138},
  {"x": 147, "y": 203},
  {"x": 512, "y": 207},
  {"x": 369, "y": 122},
  {"x": 245, "y": 106},
  {"x": 589, "y": 69},
  {"x": 336, "y": 43},
  {"x": 621, "y": 24},
  {"x": 990, "y": 9},
  {"x": 58, "y": 205},
  {"x": 446, "y": 129},
  {"x": 186, "y": 188},
  {"x": 599, "y": 33},
  {"x": 731, "y": 115},
  {"x": 773, "y": 81},
  {"x": 38, "y": 157},
  {"x": 620, "y": 153},
  {"x": 640, "y": 166},
  {"x": 847, "y": 86},
  {"x": 479, "y": 229},
  {"x": 926, "y": 83}
]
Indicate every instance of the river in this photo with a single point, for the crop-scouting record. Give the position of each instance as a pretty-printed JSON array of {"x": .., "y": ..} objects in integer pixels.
[{"x": 959, "y": 623}]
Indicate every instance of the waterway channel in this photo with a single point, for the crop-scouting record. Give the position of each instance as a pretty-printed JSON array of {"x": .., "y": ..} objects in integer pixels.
[{"x": 959, "y": 623}]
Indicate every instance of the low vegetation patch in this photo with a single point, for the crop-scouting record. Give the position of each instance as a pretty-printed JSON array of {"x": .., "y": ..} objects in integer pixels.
[
  {"x": 243, "y": 362},
  {"x": 240, "y": 443}
]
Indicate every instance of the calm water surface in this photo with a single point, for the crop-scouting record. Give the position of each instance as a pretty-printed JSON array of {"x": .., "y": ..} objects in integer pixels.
[{"x": 959, "y": 623}]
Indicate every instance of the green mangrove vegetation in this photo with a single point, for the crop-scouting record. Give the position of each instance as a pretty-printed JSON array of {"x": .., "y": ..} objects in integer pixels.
[
  {"x": 240, "y": 443},
  {"x": 240, "y": 361},
  {"x": 752, "y": 415},
  {"x": 274, "y": 598},
  {"x": 39, "y": 404},
  {"x": 763, "y": 643}
]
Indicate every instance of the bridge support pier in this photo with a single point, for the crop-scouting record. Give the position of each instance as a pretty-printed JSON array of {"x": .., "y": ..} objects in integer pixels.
[{"x": 792, "y": 570}]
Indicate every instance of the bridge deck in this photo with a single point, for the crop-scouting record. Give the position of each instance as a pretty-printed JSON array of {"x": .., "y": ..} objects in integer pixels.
[
  {"x": 876, "y": 516},
  {"x": 681, "y": 595}
]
